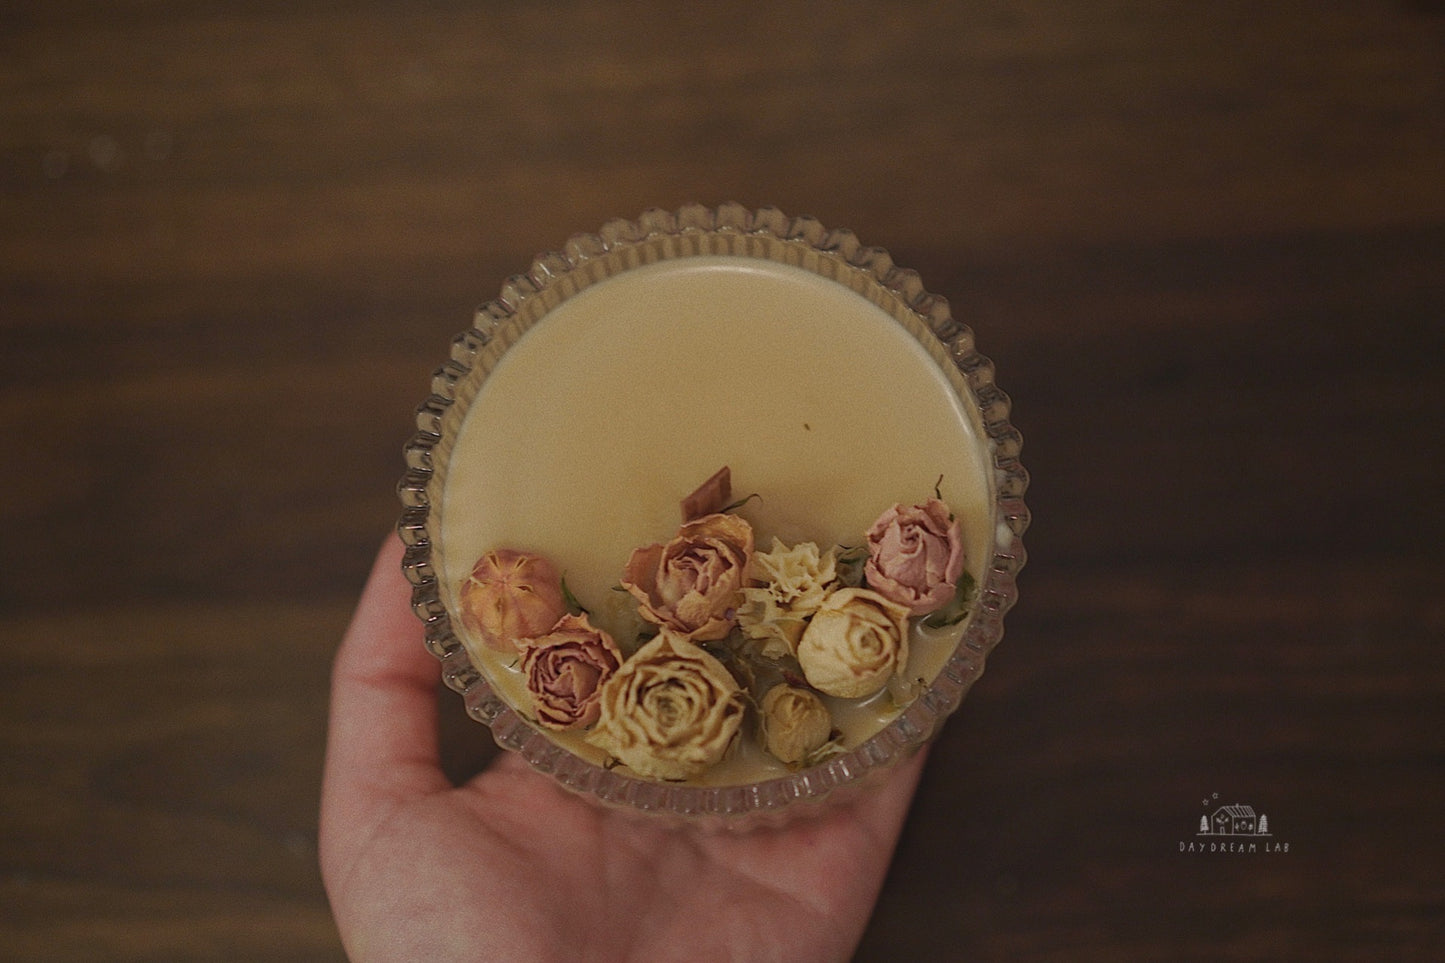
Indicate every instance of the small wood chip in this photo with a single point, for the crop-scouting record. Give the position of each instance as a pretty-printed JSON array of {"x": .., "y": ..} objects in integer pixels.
[{"x": 711, "y": 496}]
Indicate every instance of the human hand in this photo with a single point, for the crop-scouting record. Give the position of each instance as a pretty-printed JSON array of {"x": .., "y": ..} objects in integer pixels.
[{"x": 510, "y": 866}]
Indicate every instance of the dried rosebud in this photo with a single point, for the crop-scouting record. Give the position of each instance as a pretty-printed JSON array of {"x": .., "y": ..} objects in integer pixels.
[
  {"x": 856, "y": 640},
  {"x": 565, "y": 670},
  {"x": 915, "y": 556},
  {"x": 670, "y": 712},
  {"x": 786, "y": 587},
  {"x": 795, "y": 723},
  {"x": 693, "y": 584},
  {"x": 510, "y": 596}
]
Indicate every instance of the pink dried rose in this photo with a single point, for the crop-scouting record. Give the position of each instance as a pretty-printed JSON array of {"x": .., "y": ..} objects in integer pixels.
[
  {"x": 510, "y": 596},
  {"x": 693, "y": 584},
  {"x": 915, "y": 556},
  {"x": 565, "y": 670}
]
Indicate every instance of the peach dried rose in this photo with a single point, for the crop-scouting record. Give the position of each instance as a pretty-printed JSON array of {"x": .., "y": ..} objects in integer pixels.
[
  {"x": 795, "y": 723},
  {"x": 915, "y": 556},
  {"x": 693, "y": 584},
  {"x": 856, "y": 640},
  {"x": 671, "y": 711},
  {"x": 565, "y": 670},
  {"x": 511, "y": 595}
]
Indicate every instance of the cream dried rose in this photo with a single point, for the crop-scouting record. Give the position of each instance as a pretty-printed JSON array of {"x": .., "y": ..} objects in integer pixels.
[
  {"x": 788, "y": 586},
  {"x": 693, "y": 584},
  {"x": 565, "y": 670},
  {"x": 671, "y": 711},
  {"x": 795, "y": 723},
  {"x": 856, "y": 640},
  {"x": 511, "y": 595},
  {"x": 915, "y": 556}
]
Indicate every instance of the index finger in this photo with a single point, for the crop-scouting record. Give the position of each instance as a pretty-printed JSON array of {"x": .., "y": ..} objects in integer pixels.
[{"x": 382, "y": 735}]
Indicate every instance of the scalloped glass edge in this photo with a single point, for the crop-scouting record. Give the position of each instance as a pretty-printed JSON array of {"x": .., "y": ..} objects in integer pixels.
[{"x": 730, "y": 229}]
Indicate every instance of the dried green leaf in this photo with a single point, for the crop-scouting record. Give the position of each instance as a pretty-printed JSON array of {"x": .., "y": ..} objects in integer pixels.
[
  {"x": 848, "y": 561},
  {"x": 570, "y": 600},
  {"x": 957, "y": 609},
  {"x": 729, "y": 509},
  {"x": 833, "y": 747}
]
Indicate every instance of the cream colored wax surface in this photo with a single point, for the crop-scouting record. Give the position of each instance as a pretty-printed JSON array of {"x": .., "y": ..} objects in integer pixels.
[{"x": 582, "y": 441}]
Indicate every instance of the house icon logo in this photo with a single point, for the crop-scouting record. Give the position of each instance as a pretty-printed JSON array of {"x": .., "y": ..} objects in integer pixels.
[
  {"x": 1232, "y": 828},
  {"x": 1235, "y": 820}
]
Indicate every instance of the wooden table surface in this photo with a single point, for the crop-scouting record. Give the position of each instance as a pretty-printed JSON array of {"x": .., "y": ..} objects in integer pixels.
[{"x": 1203, "y": 244}]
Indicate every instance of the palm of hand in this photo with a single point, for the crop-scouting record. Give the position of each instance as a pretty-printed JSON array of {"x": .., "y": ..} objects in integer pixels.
[{"x": 510, "y": 866}]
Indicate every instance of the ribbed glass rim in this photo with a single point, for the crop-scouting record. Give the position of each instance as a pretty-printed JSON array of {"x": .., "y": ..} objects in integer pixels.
[{"x": 697, "y": 230}]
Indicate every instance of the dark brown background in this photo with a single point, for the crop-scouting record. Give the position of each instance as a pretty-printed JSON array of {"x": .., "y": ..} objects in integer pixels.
[{"x": 1203, "y": 242}]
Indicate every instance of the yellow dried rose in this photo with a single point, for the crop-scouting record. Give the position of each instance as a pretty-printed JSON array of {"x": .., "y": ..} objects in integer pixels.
[
  {"x": 671, "y": 711},
  {"x": 795, "y": 723},
  {"x": 855, "y": 641},
  {"x": 693, "y": 584},
  {"x": 788, "y": 585}
]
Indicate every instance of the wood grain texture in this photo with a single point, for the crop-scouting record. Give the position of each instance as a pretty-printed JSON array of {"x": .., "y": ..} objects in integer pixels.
[{"x": 1204, "y": 247}]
